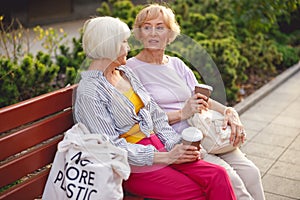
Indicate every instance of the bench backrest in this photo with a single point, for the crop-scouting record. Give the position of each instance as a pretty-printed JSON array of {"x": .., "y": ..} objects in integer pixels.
[{"x": 29, "y": 134}]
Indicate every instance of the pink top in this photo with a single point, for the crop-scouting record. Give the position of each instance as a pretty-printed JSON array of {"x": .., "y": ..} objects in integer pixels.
[{"x": 170, "y": 84}]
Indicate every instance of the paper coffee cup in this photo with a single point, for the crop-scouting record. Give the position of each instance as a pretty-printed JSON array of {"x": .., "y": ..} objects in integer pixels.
[
  {"x": 192, "y": 136},
  {"x": 204, "y": 89}
]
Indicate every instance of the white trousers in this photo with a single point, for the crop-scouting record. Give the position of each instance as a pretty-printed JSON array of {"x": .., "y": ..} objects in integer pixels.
[{"x": 244, "y": 175}]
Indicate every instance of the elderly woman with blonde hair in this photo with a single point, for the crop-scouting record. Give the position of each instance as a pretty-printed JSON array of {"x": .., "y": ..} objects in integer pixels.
[{"x": 171, "y": 84}]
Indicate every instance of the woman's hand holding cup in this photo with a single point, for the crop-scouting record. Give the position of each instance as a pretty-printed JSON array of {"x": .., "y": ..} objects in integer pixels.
[{"x": 203, "y": 89}]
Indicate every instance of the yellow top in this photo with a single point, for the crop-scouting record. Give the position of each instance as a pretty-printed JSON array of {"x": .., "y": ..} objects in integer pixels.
[
  {"x": 134, "y": 134},
  {"x": 135, "y": 99}
]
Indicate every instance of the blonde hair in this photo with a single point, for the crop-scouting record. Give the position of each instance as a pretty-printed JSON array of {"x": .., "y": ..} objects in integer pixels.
[
  {"x": 103, "y": 36},
  {"x": 151, "y": 12}
]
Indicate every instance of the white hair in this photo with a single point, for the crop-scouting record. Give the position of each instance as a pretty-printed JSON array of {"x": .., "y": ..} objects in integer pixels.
[{"x": 103, "y": 36}]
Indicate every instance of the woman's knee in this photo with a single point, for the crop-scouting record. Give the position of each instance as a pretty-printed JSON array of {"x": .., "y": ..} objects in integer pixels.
[
  {"x": 234, "y": 177},
  {"x": 254, "y": 173}
]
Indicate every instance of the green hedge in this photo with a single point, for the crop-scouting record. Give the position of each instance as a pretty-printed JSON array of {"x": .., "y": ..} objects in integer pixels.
[{"x": 243, "y": 38}]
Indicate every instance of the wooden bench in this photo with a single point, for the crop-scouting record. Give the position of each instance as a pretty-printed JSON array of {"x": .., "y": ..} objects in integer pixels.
[{"x": 29, "y": 134}]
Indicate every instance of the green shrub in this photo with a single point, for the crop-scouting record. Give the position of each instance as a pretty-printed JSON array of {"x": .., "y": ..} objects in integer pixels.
[
  {"x": 289, "y": 56},
  {"x": 230, "y": 62},
  {"x": 70, "y": 60},
  {"x": 262, "y": 55},
  {"x": 242, "y": 38},
  {"x": 30, "y": 78},
  {"x": 24, "y": 76},
  {"x": 8, "y": 89}
]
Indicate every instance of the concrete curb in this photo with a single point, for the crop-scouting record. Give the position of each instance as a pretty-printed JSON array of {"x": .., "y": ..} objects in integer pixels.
[{"x": 266, "y": 89}]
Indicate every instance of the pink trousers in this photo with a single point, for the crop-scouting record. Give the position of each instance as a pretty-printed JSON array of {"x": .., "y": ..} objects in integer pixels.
[{"x": 195, "y": 180}]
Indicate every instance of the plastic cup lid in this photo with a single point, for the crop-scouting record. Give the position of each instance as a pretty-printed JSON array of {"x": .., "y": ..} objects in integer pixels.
[
  {"x": 192, "y": 134},
  {"x": 205, "y": 86}
]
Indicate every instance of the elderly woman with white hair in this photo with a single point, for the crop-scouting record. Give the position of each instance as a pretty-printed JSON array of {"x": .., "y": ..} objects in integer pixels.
[{"x": 111, "y": 100}]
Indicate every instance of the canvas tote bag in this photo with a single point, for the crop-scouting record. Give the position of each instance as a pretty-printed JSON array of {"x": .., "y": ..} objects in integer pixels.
[
  {"x": 216, "y": 140},
  {"x": 86, "y": 167}
]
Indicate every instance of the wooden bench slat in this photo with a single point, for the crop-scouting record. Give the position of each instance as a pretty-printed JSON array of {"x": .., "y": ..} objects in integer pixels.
[
  {"x": 38, "y": 132},
  {"x": 28, "y": 163},
  {"x": 35, "y": 108},
  {"x": 133, "y": 198},
  {"x": 35, "y": 185}
]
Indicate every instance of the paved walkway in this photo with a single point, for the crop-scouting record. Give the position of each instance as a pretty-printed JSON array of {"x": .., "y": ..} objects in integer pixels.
[{"x": 273, "y": 131}]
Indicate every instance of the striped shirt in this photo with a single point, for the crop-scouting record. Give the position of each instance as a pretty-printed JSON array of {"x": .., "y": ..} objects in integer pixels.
[{"x": 104, "y": 110}]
